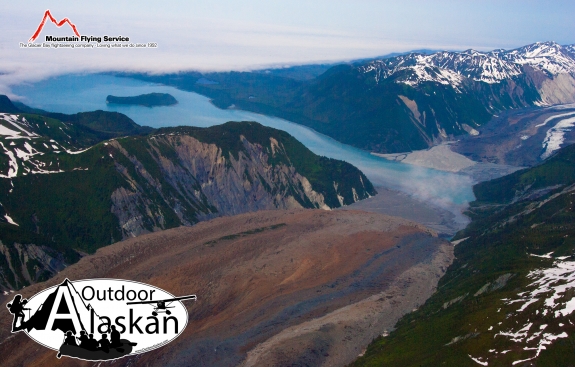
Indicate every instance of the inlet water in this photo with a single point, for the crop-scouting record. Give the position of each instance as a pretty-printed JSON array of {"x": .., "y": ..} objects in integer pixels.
[{"x": 80, "y": 93}]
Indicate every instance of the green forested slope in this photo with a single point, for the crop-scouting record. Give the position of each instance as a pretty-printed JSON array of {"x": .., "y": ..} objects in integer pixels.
[{"x": 479, "y": 309}]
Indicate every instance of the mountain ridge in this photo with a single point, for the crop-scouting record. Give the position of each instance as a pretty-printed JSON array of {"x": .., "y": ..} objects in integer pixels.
[
  {"x": 489, "y": 67},
  {"x": 78, "y": 199},
  {"x": 398, "y": 104}
]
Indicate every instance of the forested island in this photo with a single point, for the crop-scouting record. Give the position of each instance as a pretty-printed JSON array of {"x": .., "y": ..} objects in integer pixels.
[{"x": 148, "y": 100}]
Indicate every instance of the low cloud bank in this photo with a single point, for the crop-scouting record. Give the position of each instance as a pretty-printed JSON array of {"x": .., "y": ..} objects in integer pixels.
[{"x": 195, "y": 44}]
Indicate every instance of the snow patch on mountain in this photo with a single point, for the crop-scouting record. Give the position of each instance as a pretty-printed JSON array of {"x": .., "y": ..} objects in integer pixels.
[
  {"x": 12, "y": 163},
  {"x": 4, "y": 131},
  {"x": 10, "y": 220},
  {"x": 555, "y": 136},
  {"x": 549, "y": 295},
  {"x": 14, "y": 122}
]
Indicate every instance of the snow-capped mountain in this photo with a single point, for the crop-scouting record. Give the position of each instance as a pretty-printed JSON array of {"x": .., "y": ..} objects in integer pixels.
[
  {"x": 454, "y": 68},
  {"x": 401, "y": 103}
]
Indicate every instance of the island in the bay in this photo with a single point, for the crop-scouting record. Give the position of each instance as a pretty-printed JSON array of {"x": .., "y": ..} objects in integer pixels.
[{"x": 148, "y": 100}]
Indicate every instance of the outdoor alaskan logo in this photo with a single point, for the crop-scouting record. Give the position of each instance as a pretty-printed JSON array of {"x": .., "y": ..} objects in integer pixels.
[
  {"x": 75, "y": 40},
  {"x": 100, "y": 319}
]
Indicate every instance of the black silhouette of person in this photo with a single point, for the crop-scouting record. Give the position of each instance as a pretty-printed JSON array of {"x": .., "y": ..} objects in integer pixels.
[
  {"x": 70, "y": 339},
  {"x": 17, "y": 308},
  {"x": 92, "y": 344},
  {"x": 115, "y": 337},
  {"x": 83, "y": 339},
  {"x": 104, "y": 343}
]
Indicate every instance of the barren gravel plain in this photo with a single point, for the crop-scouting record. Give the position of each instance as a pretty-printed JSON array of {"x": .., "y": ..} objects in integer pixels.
[{"x": 275, "y": 288}]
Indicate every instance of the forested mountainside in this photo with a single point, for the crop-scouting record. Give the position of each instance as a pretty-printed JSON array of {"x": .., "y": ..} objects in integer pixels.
[
  {"x": 399, "y": 103},
  {"x": 508, "y": 299},
  {"x": 61, "y": 196}
]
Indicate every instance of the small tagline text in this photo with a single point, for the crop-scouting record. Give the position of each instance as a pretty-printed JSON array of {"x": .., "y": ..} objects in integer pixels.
[{"x": 87, "y": 45}]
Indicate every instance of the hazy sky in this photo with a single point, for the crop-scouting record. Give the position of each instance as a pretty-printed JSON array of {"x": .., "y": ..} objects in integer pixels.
[{"x": 240, "y": 35}]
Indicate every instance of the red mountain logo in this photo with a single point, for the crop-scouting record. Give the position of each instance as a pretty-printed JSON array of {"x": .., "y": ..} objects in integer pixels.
[{"x": 47, "y": 15}]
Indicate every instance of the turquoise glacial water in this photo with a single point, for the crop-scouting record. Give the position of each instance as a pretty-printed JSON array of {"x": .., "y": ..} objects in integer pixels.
[{"x": 79, "y": 93}]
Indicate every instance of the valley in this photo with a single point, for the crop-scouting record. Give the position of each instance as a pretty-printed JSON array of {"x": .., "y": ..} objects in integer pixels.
[
  {"x": 448, "y": 190},
  {"x": 506, "y": 300},
  {"x": 222, "y": 197},
  {"x": 520, "y": 138},
  {"x": 398, "y": 204},
  {"x": 287, "y": 184}
]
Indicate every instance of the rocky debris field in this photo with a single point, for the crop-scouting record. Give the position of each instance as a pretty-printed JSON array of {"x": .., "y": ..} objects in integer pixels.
[{"x": 298, "y": 287}]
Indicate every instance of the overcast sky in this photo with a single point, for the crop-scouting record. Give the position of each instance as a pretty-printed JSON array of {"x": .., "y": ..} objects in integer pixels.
[{"x": 247, "y": 34}]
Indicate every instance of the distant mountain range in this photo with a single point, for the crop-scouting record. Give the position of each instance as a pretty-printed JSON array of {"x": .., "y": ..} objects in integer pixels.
[
  {"x": 454, "y": 68},
  {"x": 399, "y": 103},
  {"x": 71, "y": 184}
]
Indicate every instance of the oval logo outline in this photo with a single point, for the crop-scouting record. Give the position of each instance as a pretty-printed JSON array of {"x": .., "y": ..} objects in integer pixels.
[{"x": 65, "y": 300}]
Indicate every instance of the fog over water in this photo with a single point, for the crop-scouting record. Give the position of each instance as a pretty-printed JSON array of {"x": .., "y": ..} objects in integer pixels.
[
  {"x": 79, "y": 93},
  {"x": 223, "y": 35}
]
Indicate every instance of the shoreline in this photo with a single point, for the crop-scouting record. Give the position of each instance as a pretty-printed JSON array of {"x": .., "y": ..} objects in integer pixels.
[
  {"x": 442, "y": 158},
  {"x": 439, "y": 157}
]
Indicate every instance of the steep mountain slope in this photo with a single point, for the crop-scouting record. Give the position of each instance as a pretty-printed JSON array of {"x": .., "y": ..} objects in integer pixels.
[
  {"x": 125, "y": 187},
  {"x": 34, "y": 145},
  {"x": 400, "y": 103},
  {"x": 508, "y": 297},
  {"x": 274, "y": 288}
]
